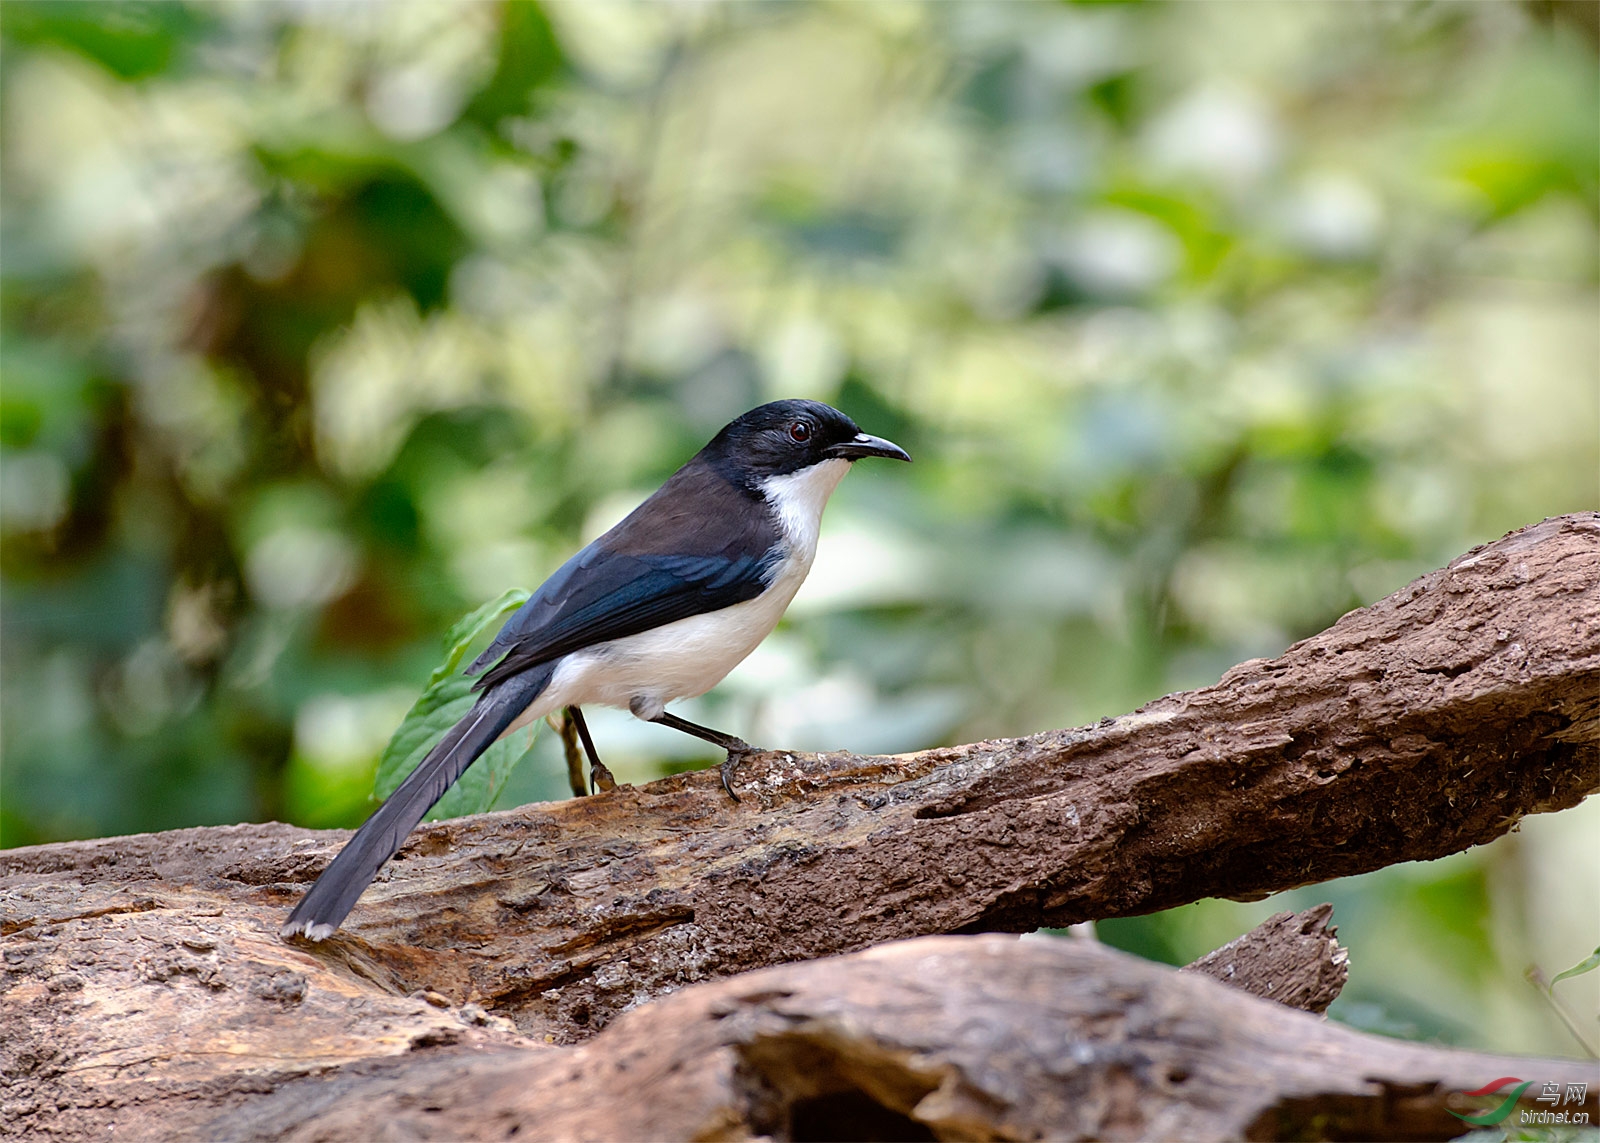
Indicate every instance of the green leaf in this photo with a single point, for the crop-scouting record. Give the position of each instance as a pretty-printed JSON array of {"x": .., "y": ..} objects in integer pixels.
[
  {"x": 1588, "y": 964},
  {"x": 529, "y": 55},
  {"x": 446, "y": 698},
  {"x": 131, "y": 41}
]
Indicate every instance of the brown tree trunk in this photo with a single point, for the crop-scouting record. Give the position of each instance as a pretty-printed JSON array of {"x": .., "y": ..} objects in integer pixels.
[{"x": 145, "y": 985}]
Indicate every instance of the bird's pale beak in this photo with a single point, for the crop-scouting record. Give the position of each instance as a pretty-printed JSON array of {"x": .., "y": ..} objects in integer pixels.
[{"x": 865, "y": 444}]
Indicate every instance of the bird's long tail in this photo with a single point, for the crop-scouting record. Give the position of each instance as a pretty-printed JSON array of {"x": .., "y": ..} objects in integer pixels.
[{"x": 322, "y": 909}]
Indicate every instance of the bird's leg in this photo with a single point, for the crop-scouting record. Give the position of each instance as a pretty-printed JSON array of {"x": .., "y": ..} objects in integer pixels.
[
  {"x": 563, "y": 725},
  {"x": 737, "y": 748},
  {"x": 598, "y": 774}
]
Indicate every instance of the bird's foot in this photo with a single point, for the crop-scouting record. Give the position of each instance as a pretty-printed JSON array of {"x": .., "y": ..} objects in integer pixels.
[
  {"x": 600, "y": 777},
  {"x": 738, "y": 749}
]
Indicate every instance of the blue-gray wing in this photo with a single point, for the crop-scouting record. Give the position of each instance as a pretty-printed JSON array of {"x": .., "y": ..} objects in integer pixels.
[{"x": 699, "y": 544}]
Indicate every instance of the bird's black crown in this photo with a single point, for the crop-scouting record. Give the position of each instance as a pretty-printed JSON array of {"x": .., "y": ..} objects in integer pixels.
[{"x": 783, "y": 437}]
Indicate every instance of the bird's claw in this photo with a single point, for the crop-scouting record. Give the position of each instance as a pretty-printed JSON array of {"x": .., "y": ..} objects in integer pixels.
[
  {"x": 600, "y": 777},
  {"x": 736, "y": 755}
]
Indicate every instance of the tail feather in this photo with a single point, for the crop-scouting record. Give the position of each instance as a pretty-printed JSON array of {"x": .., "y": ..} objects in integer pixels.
[{"x": 335, "y": 893}]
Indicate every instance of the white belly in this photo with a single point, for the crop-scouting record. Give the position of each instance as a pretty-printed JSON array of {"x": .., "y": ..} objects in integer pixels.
[{"x": 678, "y": 660}]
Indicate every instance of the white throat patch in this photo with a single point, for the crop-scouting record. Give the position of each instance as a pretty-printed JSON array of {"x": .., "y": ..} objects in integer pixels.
[{"x": 799, "y": 498}]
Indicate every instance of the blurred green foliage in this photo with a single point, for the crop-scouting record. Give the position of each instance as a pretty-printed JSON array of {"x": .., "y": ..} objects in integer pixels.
[{"x": 326, "y": 323}]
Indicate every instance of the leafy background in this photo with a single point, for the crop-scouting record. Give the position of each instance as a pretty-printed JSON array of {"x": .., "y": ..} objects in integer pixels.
[{"x": 326, "y": 323}]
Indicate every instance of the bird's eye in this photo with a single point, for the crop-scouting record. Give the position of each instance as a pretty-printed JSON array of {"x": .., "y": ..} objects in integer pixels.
[{"x": 800, "y": 432}]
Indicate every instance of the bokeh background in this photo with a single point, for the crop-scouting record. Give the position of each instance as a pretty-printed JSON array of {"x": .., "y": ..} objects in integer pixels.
[{"x": 324, "y": 323}]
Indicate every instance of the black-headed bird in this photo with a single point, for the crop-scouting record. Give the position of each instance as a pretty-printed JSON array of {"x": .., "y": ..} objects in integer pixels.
[{"x": 660, "y": 608}]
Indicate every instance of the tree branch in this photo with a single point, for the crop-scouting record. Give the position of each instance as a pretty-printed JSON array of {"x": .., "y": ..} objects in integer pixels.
[
  {"x": 1423, "y": 725},
  {"x": 1292, "y": 958}
]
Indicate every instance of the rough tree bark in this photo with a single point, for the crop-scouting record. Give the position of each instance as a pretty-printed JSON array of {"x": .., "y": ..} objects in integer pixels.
[
  {"x": 1292, "y": 958},
  {"x": 144, "y": 978},
  {"x": 941, "y": 1037}
]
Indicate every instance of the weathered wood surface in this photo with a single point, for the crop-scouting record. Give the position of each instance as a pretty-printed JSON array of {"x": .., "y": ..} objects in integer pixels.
[
  {"x": 146, "y": 969},
  {"x": 978, "y": 1037},
  {"x": 1293, "y": 958}
]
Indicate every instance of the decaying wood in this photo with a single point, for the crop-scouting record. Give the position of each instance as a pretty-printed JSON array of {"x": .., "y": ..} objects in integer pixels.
[
  {"x": 144, "y": 972},
  {"x": 1293, "y": 958},
  {"x": 981, "y": 1037}
]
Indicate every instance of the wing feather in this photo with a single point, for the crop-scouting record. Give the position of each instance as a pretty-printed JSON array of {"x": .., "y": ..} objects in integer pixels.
[{"x": 631, "y": 579}]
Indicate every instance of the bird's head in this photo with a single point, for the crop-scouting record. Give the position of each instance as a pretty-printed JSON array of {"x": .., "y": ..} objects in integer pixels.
[{"x": 785, "y": 437}]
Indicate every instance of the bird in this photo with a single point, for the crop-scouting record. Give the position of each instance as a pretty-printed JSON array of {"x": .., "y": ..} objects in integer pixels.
[{"x": 659, "y": 608}]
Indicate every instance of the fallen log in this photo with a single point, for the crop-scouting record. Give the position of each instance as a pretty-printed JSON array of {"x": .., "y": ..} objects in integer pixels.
[
  {"x": 145, "y": 971},
  {"x": 940, "y": 1037}
]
